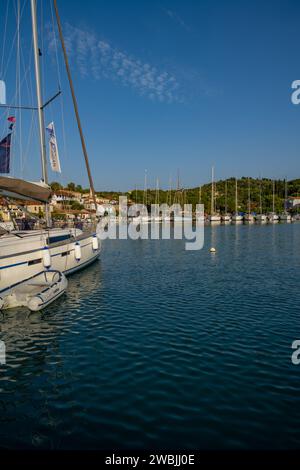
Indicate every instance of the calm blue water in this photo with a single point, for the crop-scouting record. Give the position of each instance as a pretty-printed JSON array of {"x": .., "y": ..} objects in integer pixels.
[{"x": 154, "y": 346}]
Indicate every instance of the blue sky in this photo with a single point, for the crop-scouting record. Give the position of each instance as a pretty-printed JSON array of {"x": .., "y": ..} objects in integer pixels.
[{"x": 165, "y": 85}]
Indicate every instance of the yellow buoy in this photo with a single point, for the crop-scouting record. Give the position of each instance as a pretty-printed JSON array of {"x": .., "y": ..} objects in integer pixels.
[{"x": 212, "y": 250}]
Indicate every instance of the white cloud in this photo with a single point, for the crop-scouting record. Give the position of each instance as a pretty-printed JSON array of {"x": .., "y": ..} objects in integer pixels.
[
  {"x": 101, "y": 60},
  {"x": 177, "y": 19}
]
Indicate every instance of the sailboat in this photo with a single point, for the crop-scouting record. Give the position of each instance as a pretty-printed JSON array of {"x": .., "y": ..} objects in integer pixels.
[
  {"x": 156, "y": 217},
  {"x": 273, "y": 217},
  {"x": 249, "y": 217},
  {"x": 236, "y": 218},
  {"x": 213, "y": 217},
  {"x": 226, "y": 217},
  {"x": 285, "y": 217},
  {"x": 145, "y": 218},
  {"x": 26, "y": 253},
  {"x": 167, "y": 217},
  {"x": 178, "y": 200},
  {"x": 200, "y": 215},
  {"x": 261, "y": 218}
]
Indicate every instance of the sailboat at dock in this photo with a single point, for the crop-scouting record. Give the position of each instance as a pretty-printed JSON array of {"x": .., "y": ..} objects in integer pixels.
[
  {"x": 273, "y": 217},
  {"x": 285, "y": 217},
  {"x": 261, "y": 218},
  {"x": 213, "y": 217},
  {"x": 26, "y": 253},
  {"x": 236, "y": 218},
  {"x": 226, "y": 217},
  {"x": 249, "y": 216}
]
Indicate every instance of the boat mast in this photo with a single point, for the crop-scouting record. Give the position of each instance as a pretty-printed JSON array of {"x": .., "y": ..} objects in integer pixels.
[
  {"x": 226, "y": 197},
  {"x": 260, "y": 198},
  {"x": 212, "y": 208},
  {"x": 75, "y": 105},
  {"x": 40, "y": 103},
  {"x": 249, "y": 197},
  {"x": 145, "y": 197},
  {"x": 285, "y": 195},
  {"x": 236, "y": 197},
  {"x": 273, "y": 196}
]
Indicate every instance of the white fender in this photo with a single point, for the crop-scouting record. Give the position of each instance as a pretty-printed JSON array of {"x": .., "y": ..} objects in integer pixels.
[
  {"x": 77, "y": 251},
  {"x": 95, "y": 243},
  {"x": 46, "y": 257}
]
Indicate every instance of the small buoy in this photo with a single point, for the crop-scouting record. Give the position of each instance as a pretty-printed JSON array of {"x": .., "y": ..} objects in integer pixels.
[
  {"x": 77, "y": 251},
  {"x": 46, "y": 257},
  {"x": 212, "y": 250},
  {"x": 95, "y": 243}
]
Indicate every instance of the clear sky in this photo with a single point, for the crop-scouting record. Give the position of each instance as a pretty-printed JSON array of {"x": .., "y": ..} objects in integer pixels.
[{"x": 173, "y": 84}]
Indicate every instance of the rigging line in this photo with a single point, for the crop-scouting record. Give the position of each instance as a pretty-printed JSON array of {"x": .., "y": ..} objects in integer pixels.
[
  {"x": 13, "y": 44},
  {"x": 65, "y": 148},
  {"x": 30, "y": 95},
  {"x": 19, "y": 82},
  {"x": 4, "y": 38}
]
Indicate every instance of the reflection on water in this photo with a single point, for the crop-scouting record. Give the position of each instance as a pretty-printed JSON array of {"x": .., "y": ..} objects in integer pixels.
[{"x": 154, "y": 346}]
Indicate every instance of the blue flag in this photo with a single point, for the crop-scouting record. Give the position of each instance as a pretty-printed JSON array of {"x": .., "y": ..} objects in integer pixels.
[{"x": 5, "y": 154}]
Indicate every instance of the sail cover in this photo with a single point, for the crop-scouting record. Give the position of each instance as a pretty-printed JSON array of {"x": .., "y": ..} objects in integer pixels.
[{"x": 20, "y": 189}]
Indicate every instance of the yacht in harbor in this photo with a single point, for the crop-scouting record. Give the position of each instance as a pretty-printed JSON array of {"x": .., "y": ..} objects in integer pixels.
[
  {"x": 249, "y": 218},
  {"x": 226, "y": 218},
  {"x": 200, "y": 214},
  {"x": 261, "y": 218},
  {"x": 236, "y": 218},
  {"x": 213, "y": 218},
  {"x": 156, "y": 218},
  {"x": 273, "y": 217},
  {"x": 285, "y": 216},
  {"x": 26, "y": 253}
]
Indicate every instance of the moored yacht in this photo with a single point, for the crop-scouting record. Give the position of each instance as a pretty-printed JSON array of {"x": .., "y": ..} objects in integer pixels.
[
  {"x": 236, "y": 218},
  {"x": 226, "y": 218},
  {"x": 260, "y": 218},
  {"x": 25, "y": 253},
  {"x": 213, "y": 218},
  {"x": 249, "y": 218},
  {"x": 272, "y": 216},
  {"x": 285, "y": 216}
]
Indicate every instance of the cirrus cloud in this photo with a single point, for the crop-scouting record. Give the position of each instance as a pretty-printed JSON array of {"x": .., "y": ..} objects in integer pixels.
[{"x": 99, "y": 59}]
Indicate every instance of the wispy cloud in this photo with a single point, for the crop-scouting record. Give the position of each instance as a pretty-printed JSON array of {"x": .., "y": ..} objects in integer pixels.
[
  {"x": 177, "y": 19},
  {"x": 99, "y": 59}
]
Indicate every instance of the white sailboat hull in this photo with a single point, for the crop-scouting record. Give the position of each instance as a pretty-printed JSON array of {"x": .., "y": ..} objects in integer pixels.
[
  {"x": 21, "y": 258},
  {"x": 215, "y": 219},
  {"x": 237, "y": 218}
]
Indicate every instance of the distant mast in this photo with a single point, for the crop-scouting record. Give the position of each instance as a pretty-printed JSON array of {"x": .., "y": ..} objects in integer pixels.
[
  {"x": 236, "y": 196},
  {"x": 212, "y": 208}
]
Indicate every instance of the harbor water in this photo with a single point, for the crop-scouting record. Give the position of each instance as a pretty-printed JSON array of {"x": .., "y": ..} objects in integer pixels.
[{"x": 157, "y": 347}]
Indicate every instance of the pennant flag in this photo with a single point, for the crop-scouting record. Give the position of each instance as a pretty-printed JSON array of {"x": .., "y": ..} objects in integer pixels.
[
  {"x": 5, "y": 154},
  {"x": 53, "y": 149}
]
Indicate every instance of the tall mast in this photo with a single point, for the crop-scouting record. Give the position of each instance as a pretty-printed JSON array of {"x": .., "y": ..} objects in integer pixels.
[
  {"x": 226, "y": 197},
  {"x": 236, "y": 197},
  {"x": 39, "y": 92},
  {"x": 145, "y": 190},
  {"x": 212, "y": 208},
  {"x": 260, "y": 198},
  {"x": 249, "y": 197},
  {"x": 285, "y": 195},
  {"x": 75, "y": 104},
  {"x": 273, "y": 196}
]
